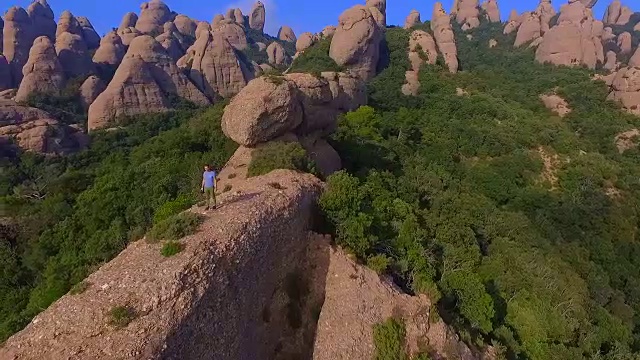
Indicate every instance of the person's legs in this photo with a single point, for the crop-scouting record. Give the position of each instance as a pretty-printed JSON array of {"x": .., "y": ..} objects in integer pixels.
[{"x": 207, "y": 194}]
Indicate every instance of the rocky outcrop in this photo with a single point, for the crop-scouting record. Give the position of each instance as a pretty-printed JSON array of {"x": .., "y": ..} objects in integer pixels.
[
  {"x": 556, "y": 104},
  {"x": 89, "y": 34},
  {"x": 68, "y": 23},
  {"x": 421, "y": 45},
  {"x": 185, "y": 25},
  {"x": 233, "y": 32},
  {"x": 129, "y": 20},
  {"x": 17, "y": 40},
  {"x": 74, "y": 55},
  {"x": 240, "y": 18},
  {"x": 5, "y": 74},
  {"x": 466, "y": 13},
  {"x": 153, "y": 15},
  {"x": 217, "y": 19},
  {"x": 349, "y": 92},
  {"x": 257, "y": 17},
  {"x": 254, "y": 247},
  {"x": 170, "y": 42},
  {"x": 286, "y": 34},
  {"x": 277, "y": 54},
  {"x": 42, "y": 19},
  {"x": 381, "y": 14},
  {"x": 43, "y": 73},
  {"x": 611, "y": 62},
  {"x": 110, "y": 53},
  {"x": 575, "y": 40},
  {"x": 328, "y": 31},
  {"x": 513, "y": 23},
  {"x": 617, "y": 14},
  {"x": 145, "y": 82},
  {"x": 413, "y": 19},
  {"x": 345, "y": 328},
  {"x": 305, "y": 41},
  {"x": 128, "y": 34},
  {"x": 356, "y": 43},
  {"x": 491, "y": 10},
  {"x": 627, "y": 140},
  {"x": 634, "y": 61},
  {"x": 444, "y": 36},
  {"x": 203, "y": 28},
  {"x": 624, "y": 43},
  {"x": 90, "y": 89},
  {"x": 534, "y": 25},
  {"x": 214, "y": 67},
  {"x": 625, "y": 88}
]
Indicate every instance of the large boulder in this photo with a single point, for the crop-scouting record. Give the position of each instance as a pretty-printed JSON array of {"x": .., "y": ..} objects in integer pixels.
[
  {"x": 575, "y": 40},
  {"x": 5, "y": 74},
  {"x": 128, "y": 34},
  {"x": 90, "y": 89},
  {"x": 264, "y": 110},
  {"x": 239, "y": 17},
  {"x": 328, "y": 31},
  {"x": 634, "y": 61},
  {"x": 492, "y": 10},
  {"x": 74, "y": 55},
  {"x": 277, "y": 54},
  {"x": 413, "y": 19},
  {"x": 467, "y": 13},
  {"x": 110, "y": 53},
  {"x": 185, "y": 25},
  {"x": 17, "y": 40},
  {"x": 42, "y": 19},
  {"x": 153, "y": 15},
  {"x": 324, "y": 156},
  {"x": 348, "y": 91},
  {"x": 171, "y": 44},
  {"x": 611, "y": 61},
  {"x": 286, "y": 34},
  {"x": 43, "y": 73},
  {"x": 625, "y": 89},
  {"x": 356, "y": 43},
  {"x": 203, "y": 28},
  {"x": 444, "y": 36},
  {"x": 129, "y": 20},
  {"x": 421, "y": 45},
  {"x": 89, "y": 34},
  {"x": 147, "y": 81},
  {"x": 68, "y": 23},
  {"x": 217, "y": 19},
  {"x": 380, "y": 12},
  {"x": 233, "y": 32},
  {"x": 37, "y": 131},
  {"x": 513, "y": 23},
  {"x": 305, "y": 41},
  {"x": 556, "y": 104},
  {"x": 617, "y": 14},
  {"x": 212, "y": 64},
  {"x": 625, "y": 42},
  {"x": 534, "y": 25},
  {"x": 320, "y": 116},
  {"x": 257, "y": 16}
]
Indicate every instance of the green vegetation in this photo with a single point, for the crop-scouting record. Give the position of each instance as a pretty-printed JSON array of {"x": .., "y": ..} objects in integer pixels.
[
  {"x": 64, "y": 216},
  {"x": 452, "y": 191},
  {"x": 66, "y": 106},
  {"x": 316, "y": 59},
  {"x": 80, "y": 287},
  {"x": 279, "y": 155},
  {"x": 121, "y": 316},
  {"x": 175, "y": 227},
  {"x": 171, "y": 248},
  {"x": 389, "y": 340}
]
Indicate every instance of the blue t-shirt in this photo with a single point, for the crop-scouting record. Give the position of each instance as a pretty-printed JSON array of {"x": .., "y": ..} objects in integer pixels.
[{"x": 209, "y": 179}]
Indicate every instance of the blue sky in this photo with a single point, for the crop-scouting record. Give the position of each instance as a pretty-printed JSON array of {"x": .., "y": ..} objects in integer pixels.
[{"x": 301, "y": 15}]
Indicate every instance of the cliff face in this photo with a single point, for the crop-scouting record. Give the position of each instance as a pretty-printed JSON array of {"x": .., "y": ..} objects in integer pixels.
[{"x": 237, "y": 291}]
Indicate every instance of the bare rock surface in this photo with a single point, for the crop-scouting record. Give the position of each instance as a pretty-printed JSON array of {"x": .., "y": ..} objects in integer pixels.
[
  {"x": 249, "y": 247},
  {"x": 35, "y": 130},
  {"x": 627, "y": 140},
  {"x": 185, "y": 25},
  {"x": 316, "y": 98},
  {"x": 171, "y": 44},
  {"x": 634, "y": 61},
  {"x": 90, "y": 89},
  {"x": 277, "y": 54},
  {"x": 42, "y": 19},
  {"x": 348, "y": 91},
  {"x": 492, "y": 10},
  {"x": 143, "y": 83},
  {"x": 345, "y": 328},
  {"x": 556, "y": 104},
  {"x": 214, "y": 66},
  {"x": 74, "y": 55},
  {"x": 305, "y": 41},
  {"x": 513, "y": 23},
  {"x": 43, "y": 73},
  {"x": 356, "y": 43},
  {"x": 444, "y": 36},
  {"x": 611, "y": 62},
  {"x": 89, "y": 34},
  {"x": 625, "y": 88},
  {"x": 624, "y": 42},
  {"x": 110, "y": 53},
  {"x": 286, "y": 33},
  {"x": 128, "y": 20},
  {"x": 153, "y": 15},
  {"x": 617, "y": 14},
  {"x": 5, "y": 74},
  {"x": 68, "y": 23},
  {"x": 381, "y": 14},
  {"x": 17, "y": 40},
  {"x": 575, "y": 40},
  {"x": 328, "y": 31},
  {"x": 413, "y": 19},
  {"x": 534, "y": 25},
  {"x": 421, "y": 45},
  {"x": 466, "y": 13},
  {"x": 203, "y": 28},
  {"x": 240, "y": 18},
  {"x": 257, "y": 16},
  {"x": 128, "y": 34},
  {"x": 233, "y": 32},
  {"x": 217, "y": 19}
]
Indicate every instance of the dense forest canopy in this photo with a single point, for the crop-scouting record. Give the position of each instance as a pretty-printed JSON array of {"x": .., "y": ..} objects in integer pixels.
[{"x": 520, "y": 225}]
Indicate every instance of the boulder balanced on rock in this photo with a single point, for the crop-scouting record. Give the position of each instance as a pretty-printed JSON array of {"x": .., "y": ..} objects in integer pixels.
[
  {"x": 444, "y": 36},
  {"x": 42, "y": 19},
  {"x": 257, "y": 17},
  {"x": 43, "y": 73},
  {"x": 17, "y": 40}
]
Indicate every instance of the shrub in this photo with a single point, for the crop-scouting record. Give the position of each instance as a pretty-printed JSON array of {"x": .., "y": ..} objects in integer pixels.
[
  {"x": 227, "y": 188},
  {"x": 389, "y": 340},
  {"x": 171, "y": 248},
  {"x": 378, "y": 263},
  {"x": 121, "y": 316},
  {"x": 173, "y": 207},
  {"x": 279, "y": 155},
  {"x": 175, "y": 227},
  {"x": 316, "y": 59}
]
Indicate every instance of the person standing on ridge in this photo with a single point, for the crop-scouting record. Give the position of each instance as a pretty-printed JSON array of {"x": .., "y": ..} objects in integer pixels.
[{"x": 209, "y": 186}]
